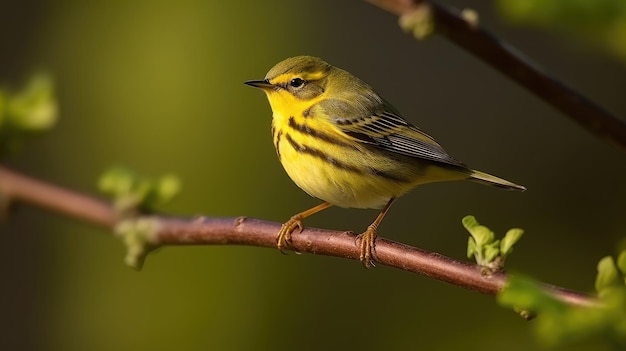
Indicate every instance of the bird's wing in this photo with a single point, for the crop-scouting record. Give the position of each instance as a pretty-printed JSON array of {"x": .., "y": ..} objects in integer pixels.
[{"x": 388, "y": 131}]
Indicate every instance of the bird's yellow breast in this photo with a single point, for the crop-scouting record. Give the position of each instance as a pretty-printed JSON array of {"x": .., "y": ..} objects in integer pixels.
[{"x": 327, "y": 165}]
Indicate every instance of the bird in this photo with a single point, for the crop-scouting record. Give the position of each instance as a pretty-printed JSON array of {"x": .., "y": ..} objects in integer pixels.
[{"x": 341, "y": 142}]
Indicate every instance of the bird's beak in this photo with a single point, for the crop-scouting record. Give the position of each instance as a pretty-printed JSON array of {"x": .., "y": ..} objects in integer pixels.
[{"x": 263, "y": 84}]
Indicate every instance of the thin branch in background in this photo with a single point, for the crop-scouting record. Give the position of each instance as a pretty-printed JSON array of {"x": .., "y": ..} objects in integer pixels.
[
  {"x": 255, "y": 232},
  {"x": 467, "y": 34}
]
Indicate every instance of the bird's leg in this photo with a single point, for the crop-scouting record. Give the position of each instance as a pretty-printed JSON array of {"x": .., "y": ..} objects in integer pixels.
[
  {"x": 283, "y": 238},
  {"x": 367, "y": 240}
]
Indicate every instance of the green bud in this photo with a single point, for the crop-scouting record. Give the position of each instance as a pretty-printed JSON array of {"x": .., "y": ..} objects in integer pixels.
[
  {"x": 510, "y": 238},
  {"x": 608, "y": 276}
]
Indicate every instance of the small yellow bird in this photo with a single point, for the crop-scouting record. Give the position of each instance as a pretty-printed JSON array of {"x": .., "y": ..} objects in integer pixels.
[{"x": 341, "y": 142}]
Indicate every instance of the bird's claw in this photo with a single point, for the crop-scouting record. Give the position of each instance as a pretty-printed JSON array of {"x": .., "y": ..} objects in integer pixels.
[
  {"x": 283, "y": 238},
  {"x": 367, "y": 245}
]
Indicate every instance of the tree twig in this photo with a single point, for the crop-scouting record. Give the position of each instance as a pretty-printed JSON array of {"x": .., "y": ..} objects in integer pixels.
[
  {"x": 18, "y": 187},
  {"x": 470, "y": 36},
  {"x": 255, "y": 232}
]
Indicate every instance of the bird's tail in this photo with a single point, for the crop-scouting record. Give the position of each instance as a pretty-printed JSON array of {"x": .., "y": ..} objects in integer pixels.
[{"x": 484, "y": 178}]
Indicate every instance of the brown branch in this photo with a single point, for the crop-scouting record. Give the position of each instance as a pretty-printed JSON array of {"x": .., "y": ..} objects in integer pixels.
[
  {"x": 504, "y": 58},
  {"x": 14, "y": 186},
  {"x": 255, "y": 232}
]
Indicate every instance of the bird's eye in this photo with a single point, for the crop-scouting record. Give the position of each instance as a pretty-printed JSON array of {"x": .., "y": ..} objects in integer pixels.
[{"x": 296, "y": 83}]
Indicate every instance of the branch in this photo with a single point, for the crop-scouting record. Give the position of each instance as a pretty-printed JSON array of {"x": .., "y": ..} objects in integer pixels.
[
  {"x": 255, "y": 232},
  {"x": 468, "y": 35},
  {"x": 17, "y": 187}
]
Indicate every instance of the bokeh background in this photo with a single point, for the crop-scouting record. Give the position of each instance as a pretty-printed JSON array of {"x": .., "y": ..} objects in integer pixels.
[{"x": 157, "y": 86}]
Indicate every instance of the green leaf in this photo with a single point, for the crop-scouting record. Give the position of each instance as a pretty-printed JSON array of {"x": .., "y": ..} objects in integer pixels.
[
  {"x": 481, "y": 234},
  {"x": 116, "y": 181},
  {"x": 491, "y": 252},
  {"x": 608, "y": 276},
  {"x": 601, "y": 325},
  {"x": 25, "y": 113},
  {"x": 168, "y": 187},
  {"x": 469, "y": 222},
  {"x": 471, "y": 247},
  {"x": 482, "y": 244},
  {"x": 132, "y": 192},
  {"x": 527, "y": 294},
  {"x": 510, "y": 238},
  {"x": 34, "y": 108},
  {"x": 139, "y": 236}
]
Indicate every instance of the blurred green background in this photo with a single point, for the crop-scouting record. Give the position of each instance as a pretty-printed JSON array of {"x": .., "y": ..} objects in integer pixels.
[{"x": 157, "y": 86}]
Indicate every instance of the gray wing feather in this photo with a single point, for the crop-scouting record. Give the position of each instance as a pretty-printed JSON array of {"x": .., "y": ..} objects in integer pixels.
[{"x": 387, "y": 131}]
